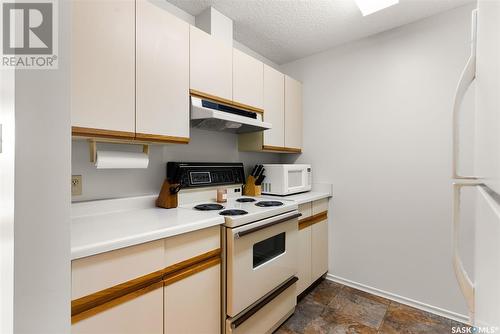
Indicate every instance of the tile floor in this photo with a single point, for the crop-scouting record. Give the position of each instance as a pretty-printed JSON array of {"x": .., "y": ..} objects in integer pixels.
[{"x": 332, "y": 308}]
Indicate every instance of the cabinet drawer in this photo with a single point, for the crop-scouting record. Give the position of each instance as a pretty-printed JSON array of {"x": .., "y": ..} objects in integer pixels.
[
  {"x": 270, "y": 317},
  {"x": 143, "y": 314},
  {"x": 186, "y": 246},
  {"x": 306, "y": 210},
  {"x": 320, "y": 206},
  {"x": 98, "y": 272}
]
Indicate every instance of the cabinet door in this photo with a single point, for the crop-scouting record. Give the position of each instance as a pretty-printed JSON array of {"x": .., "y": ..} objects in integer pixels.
[
  {"x": 293, "y": 113},
  {"x": 162, "y": 74},
  {"x": 248, "y": 80},
  {"x": 304, "y": 267},
  {"x": 141, "y": 315},
  {"x": 193, "y": 304},
  {"x": 211, "y": 65},
  {"x": 319, "y": 249},
  {"x": 102, "y": 66},
  {"x": 274, "y": 107}
]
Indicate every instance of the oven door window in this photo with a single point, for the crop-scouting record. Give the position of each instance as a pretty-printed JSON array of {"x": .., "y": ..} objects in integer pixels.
[{"x": 268, "y": 249}]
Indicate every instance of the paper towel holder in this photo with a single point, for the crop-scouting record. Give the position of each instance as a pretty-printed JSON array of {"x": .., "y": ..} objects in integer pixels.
[{"x": 93, "y": 148}]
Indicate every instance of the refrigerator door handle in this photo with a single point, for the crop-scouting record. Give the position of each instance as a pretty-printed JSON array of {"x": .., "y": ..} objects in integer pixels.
[
  {"x": 464, "y": 281},
  {"x": 466, "y": 79}
]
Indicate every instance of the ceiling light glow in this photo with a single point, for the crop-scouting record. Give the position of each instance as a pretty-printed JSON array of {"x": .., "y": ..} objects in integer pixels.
[{"x": 368, "y": 7}]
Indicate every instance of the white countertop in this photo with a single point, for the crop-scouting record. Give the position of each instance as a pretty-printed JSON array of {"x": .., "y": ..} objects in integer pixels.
[
  {"x": 102, "y": 226},
  {"x": 319, "y": 191},
  {"x": 303, "y": 197}
]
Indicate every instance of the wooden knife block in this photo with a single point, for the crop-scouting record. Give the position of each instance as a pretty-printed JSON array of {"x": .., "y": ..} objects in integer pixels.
[
  {"x": 167, "y": 199},
  {"x": 250, "y": 188}
]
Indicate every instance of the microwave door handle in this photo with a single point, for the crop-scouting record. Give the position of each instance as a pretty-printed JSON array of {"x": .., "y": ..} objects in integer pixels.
[{"x": 280, "y": 220}]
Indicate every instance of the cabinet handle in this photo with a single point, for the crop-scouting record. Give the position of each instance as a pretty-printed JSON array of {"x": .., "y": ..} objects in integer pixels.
[
  {"x": 264, "y": 302},
  {"x": 466, "y": 79},
  {"x": 464, "y": 281}
]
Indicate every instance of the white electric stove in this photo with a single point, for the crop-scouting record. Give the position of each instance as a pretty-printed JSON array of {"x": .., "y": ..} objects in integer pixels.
[{"x": 260, "y": 244}]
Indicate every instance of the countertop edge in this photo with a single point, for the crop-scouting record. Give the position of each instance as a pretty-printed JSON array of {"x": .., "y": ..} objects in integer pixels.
[{"x": 108, "y": 246}]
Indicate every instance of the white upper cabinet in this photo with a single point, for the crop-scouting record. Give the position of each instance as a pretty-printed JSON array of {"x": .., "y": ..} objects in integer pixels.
[
  {"x": 293, "y": 113},
  {"x": 248, "y": 80},
  {"x": 102, "y": 67},
  {"x": 211, "y": 65},
  {"x": 274, "y": 107},
  {"x": 162, "y": 75}
]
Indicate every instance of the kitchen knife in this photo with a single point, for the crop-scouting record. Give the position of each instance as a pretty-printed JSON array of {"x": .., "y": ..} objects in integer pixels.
[
  {"x": 261, "y": 172},
  {"x": 257, "y": 172},
  {"x": 254, "y": 170},
  {"x": 259, "y": 180}
]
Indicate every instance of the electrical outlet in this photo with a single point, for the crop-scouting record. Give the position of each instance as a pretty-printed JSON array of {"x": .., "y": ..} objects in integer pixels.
[{"x": 76, "y": 185}]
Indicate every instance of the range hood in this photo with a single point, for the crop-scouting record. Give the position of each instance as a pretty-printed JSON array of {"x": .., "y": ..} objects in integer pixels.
[{"x": 209, "y": 115}]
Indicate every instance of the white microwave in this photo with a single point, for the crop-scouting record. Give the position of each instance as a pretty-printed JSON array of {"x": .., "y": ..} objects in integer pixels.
[{"x": 286, "y": 179}]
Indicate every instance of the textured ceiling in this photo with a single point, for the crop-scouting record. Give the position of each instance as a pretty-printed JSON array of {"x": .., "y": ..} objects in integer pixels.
[{"x": 286, "y": 30}]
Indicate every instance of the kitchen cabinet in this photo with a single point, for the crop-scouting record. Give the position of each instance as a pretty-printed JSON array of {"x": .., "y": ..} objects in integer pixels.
[
  {"x": 102, "y": 69},
  {"x": 162, "y": 74},
  {"x": 139, "y": 315},
  {"x": 293, "y": 113},
  {"x": 211, "y": 66},
  {"x": 248, "y": 80},
  {"x": 171, "y": 285},
  {"x": 193, "y": 305},
  {"x": 313, "y": 243},
  {"x": 285, "y": 122}
]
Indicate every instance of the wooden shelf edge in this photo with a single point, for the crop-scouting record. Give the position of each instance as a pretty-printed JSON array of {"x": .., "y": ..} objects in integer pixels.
[
  {"x": 99, "y": 301},
  {"x": 317, "y": 218},
  {"x": 161, "y": 139},
  {"x": 78, "y": 131},
  {"x": 124, "y": 137},
  {"x": 279, "y": 149},
  {"x": 225, "y": 101}
]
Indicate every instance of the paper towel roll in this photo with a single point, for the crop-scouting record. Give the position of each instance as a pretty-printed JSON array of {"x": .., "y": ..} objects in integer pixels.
[{"x": 118, "y": 160}]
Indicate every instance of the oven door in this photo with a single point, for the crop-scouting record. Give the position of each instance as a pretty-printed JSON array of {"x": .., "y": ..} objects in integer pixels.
[
  {"x": 260, "y": 257},
  {"x": 297, "y": 179}
]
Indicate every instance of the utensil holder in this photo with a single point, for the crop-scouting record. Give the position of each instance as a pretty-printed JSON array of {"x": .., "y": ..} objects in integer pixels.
[{"x": 251, "y": 189}]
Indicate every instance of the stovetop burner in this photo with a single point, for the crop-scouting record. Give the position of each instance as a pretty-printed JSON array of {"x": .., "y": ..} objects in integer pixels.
[
  {"x": 209, "y": 207},
  {"x": 233, "y": 212},
  {"x": 268, "y": 203},
  {"x": 245, "y": 199}
]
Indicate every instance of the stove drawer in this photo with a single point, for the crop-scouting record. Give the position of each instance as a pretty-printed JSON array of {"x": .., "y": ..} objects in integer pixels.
[
  {"x": 267, "y": 315},
  {"x": 260, "y": 257}
]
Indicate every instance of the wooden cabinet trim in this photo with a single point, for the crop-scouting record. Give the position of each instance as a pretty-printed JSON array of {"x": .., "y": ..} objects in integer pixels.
[
  {"x": 281, "y": 149},
  {"x": 314, "y": 219},
  {"x": 101, "y": 133},
  {"x": 225, "y": 101},
  {"x": 94, "y": 303},
  {"x": 161, "y": 139}
]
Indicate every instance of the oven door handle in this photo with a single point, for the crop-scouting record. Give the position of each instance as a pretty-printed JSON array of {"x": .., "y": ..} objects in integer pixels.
[
  {"x": 240, "y": 234},
  {"x": 257, "y": 307}
]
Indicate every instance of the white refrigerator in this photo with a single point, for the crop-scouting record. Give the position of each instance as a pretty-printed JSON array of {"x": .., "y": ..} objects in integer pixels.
[{"x": 482, "y": 294}]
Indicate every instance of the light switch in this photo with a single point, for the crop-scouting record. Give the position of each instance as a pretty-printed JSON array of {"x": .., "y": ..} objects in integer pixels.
[{"x": 76, "y": 185}]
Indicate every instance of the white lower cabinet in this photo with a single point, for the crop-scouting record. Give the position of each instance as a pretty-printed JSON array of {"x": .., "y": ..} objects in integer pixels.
[
  {"x": 304, "y": 269},
  {"x": 319, "y": 249},
  {"x": 168, "y": 286},
  {"x": 192, "y": 305},
  {"x": 313, "y": 243},
  {"x": 143, "y": 314}
]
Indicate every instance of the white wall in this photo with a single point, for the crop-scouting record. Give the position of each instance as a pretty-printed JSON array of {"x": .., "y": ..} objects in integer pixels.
[
  {"x": 42, "y": 283},
  {"x": 204, "y": 145},
  {"x": 377, "y": 124}
]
